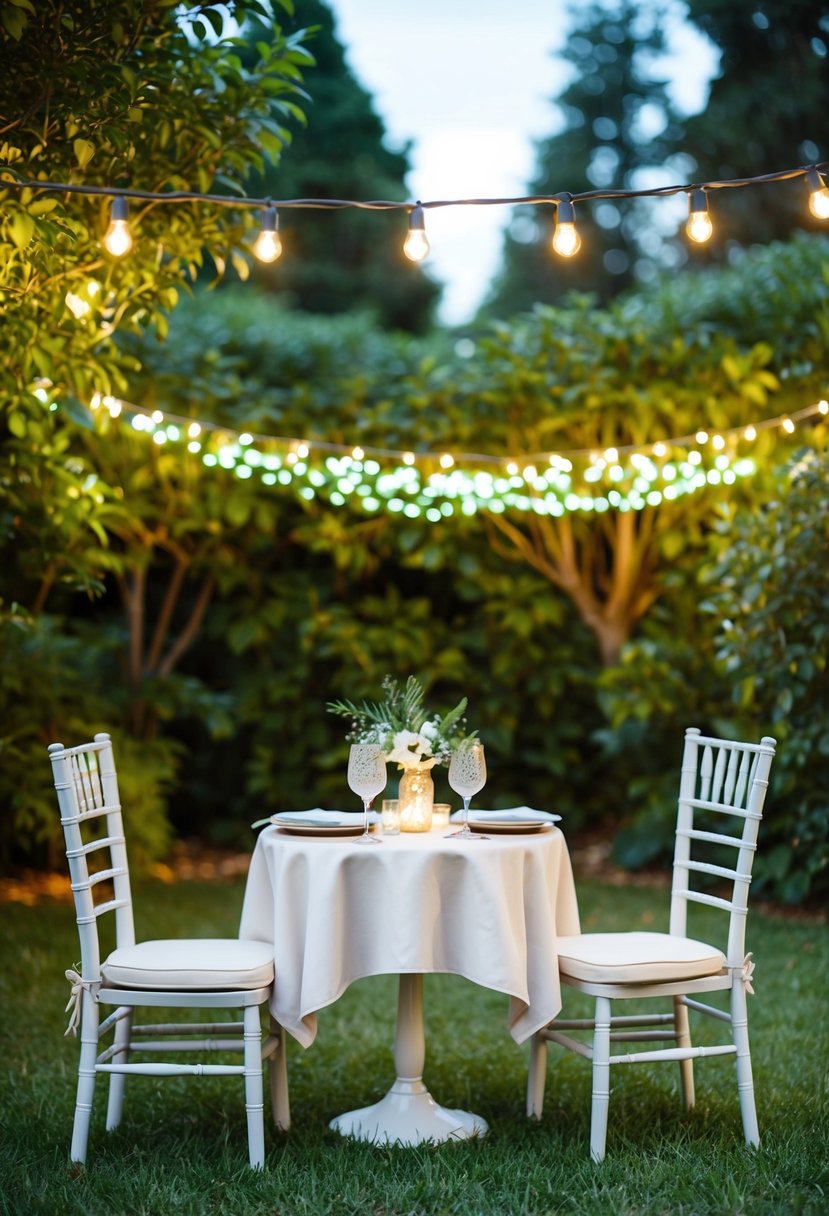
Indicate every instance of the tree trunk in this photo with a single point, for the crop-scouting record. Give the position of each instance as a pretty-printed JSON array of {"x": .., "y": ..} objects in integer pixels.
[{"x": 604, "y": 567}]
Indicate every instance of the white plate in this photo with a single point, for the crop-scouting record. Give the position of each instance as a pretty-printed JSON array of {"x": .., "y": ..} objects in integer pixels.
[
  {"x": 302, "y": 825},
  {"x": 506, "y": 825}
]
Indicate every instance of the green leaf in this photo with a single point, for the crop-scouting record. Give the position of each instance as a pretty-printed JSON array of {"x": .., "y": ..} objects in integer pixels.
[
  {"x": 13, "y": 22},
  {"x": 42, "y": 205},
  {"x": 84, "y": 151},
  {"x": 215, "y": 20},
  {"x": 22, "y": 228},
  {"x": 17, "y": 424}
]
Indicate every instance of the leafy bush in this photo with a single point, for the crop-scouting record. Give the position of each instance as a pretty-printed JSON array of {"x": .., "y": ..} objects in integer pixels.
[
  {"x": 770, "y": 593},
  {"x": 755, "y": 664},
  {"x": 59, "y": 683}
]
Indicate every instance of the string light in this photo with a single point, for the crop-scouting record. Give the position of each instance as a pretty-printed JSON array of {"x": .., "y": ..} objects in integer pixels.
[
  {"x": 415, "y": 484},
  {"x": 819, "y": 195},
  {"x": 416, "y": 244},
  {"x": 268, "y": 245},
  {"x": 566, "y": 240},
  {"x": 118, "y": 238},
  {"x": 699, "y": 226}
]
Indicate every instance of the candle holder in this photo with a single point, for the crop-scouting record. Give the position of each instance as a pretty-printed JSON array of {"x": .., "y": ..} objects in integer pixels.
[{"x": 416, "y": 797}]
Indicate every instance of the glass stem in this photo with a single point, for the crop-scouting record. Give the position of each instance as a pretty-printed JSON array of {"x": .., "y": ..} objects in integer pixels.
[
  {"x": 366, "y": 806},
  {"x": 466, "y": 802}
]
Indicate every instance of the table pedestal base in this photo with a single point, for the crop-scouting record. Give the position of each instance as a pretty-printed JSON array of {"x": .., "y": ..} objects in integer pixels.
[{"x": 408, "y": 1115}]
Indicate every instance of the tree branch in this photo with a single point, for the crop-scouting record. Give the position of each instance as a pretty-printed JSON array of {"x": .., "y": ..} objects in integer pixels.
[
  {"x": 133, "y": 589},
  {"x": 162, "y": 627},
  {"x": 46, "y": 584},
  {"x": 191, "y": 629}
]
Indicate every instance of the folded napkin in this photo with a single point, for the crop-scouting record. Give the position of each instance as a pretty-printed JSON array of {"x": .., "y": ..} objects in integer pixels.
[
  {"x": 318, "y": 818},
  {"x": 512, "y": 814}
]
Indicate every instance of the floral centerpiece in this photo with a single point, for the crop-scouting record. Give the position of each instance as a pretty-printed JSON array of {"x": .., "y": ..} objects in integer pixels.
[{"x": 411, "y": 737}]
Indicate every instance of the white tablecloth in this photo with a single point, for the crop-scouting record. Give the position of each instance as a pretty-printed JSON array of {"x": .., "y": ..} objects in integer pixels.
[{"x": 336, "y": 911}]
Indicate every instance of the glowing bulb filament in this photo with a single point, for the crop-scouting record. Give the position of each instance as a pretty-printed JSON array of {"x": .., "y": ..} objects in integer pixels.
[
  {"x": 566, "y": 240},
  {"x": 416, "y": 244},
  {"x": 819, "y": 196},
  {"x": 268, "y": 245},
  {"x": 699, "y": 226},
  {"x": 118, "y": 238}
]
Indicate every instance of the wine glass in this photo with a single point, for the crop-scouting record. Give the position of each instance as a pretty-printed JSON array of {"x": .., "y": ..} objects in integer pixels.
[
  {"x": 467, "y": 775},
  {"x": 367, "y": 777}
]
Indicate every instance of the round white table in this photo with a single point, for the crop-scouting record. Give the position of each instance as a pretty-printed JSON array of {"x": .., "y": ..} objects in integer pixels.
[{"x": 335, "y": 911}]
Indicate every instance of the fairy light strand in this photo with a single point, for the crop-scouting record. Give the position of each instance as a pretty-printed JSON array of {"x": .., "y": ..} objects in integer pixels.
[
  {"x": 699, "y": 438},
  {"x": 436, "y": 484}
]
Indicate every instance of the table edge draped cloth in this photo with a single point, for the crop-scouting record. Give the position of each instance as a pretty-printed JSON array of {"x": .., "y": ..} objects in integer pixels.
[{"x": 489, "y": 911}]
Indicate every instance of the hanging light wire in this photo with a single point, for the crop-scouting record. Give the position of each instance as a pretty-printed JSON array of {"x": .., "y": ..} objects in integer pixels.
[
  {"x": 9, "y": 179},
  {"x": 566, "y": 241},
  {"x": 304, "y": 445}
]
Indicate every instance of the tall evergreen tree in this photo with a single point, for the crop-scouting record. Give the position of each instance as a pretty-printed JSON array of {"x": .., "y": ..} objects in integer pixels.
[
  {"x": 334, "y": 262},
  {"x": 766, "y": 111},
  {"x": 618, "y": 123}
]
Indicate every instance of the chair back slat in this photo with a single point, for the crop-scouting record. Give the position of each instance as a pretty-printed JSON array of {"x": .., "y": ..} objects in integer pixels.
[
  {"x": 706, "y": 867},
  {"x": 87, "y": 788},
  {"x": 712, "y": 837},
  {"x": 95, "y": 846},
  {"x": 711, "y": 901},
  {"x": 720, "y": 778},
  {"x": 101, "y": 910},
  {"x": 704, "y": 804},
  {"x": 103, "y": 876}
]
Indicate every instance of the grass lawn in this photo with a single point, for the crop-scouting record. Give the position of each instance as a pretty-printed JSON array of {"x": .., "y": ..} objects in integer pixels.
[{"x": 182, "y": 1145}]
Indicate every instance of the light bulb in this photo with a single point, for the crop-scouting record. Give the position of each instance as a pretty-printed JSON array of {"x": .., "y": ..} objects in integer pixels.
[
  {"x": 268, "y": 245},
  {"x": 819, "y": 196},
  {"x": 566, "y": 240},
  {"x": 699, "y": 226},
  {"x": 118, "y": 238},
  {"x": 416, "y": 245}
]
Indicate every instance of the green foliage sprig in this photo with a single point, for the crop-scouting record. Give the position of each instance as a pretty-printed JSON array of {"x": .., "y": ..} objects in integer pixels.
[{"x": 401, "y": 725}]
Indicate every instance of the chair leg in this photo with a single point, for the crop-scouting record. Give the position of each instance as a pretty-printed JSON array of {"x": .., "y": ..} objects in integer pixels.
[
  {"x": 278, "y": 1078},
  {"x": 117, "y": 1080},
  {"x": 683, "y": 1039},
  {"x": 254, "y": 1095},
  {"x": 745, "y": 1080},
  {"x": 601, "y": 1079},
  {"x": 537, "y": 1076},
  {"x": 86, "y": 1077}
]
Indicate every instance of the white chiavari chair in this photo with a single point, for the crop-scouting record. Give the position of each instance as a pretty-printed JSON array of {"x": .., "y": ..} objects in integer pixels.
[
  {"x": 201, "y": 973},
  {"x": 720, "y": 780}
]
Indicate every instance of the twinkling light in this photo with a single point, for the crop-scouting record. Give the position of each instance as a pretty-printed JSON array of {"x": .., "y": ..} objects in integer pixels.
[{"x": 408, "y": 483}]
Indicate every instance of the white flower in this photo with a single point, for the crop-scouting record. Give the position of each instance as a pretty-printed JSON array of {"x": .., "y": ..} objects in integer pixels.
[
  {"x": 409, "y": 748},
  {"x": 428, "y": 730}
]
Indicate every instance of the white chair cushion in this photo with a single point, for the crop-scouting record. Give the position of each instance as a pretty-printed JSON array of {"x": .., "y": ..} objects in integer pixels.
[
  {"x": 636, "y": 958},
  {"x": 190, "y": 965}
]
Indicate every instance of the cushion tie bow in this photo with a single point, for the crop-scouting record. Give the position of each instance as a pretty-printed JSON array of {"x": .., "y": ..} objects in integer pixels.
[
  {"x": 747, "y": 972},
  {"x": 74, "y": 1003}
]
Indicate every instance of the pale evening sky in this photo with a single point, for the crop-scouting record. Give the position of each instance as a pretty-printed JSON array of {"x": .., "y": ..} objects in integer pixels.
[{"x": 470, "y": 83}]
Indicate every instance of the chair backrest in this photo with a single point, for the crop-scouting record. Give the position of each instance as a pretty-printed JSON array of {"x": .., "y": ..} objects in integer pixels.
[
  {"x": 720, "y": 778},
  {"x": 87, "y": 789}
]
